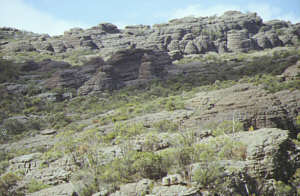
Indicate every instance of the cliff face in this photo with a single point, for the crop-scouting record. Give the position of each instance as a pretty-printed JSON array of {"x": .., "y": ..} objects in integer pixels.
[{"x": 232, "y": 32}]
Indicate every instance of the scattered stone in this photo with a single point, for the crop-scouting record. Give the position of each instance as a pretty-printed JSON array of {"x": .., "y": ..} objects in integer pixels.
[
  {"x": 26, "y": 158},
  {"x": 174, "y": 179},
  {"x": 48, "y": 132}
]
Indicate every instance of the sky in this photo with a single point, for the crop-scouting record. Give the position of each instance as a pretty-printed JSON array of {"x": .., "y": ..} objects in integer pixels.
[{"x": 53, "y": 17}]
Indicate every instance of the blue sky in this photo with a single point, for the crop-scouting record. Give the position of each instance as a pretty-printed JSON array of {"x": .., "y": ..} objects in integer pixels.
[{"x": 56, "y": 16}]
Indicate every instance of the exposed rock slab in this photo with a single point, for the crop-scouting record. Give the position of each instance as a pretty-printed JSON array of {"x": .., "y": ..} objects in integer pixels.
[{"x": 246, "y": 103}]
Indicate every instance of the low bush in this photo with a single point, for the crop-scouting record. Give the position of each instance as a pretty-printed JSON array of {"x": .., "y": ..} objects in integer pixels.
[
  {"x": 8, "y": 71},
  {"x": 35, "y": 185},
  {"x": 3, "y": 166},
  {"x": 207, "y": 174},
  {"x": 7, "y": 183},
  {"x": 165, "y": 126},
  {"x": 59, "y": 120},
  {"x": 227, "y": 127}
]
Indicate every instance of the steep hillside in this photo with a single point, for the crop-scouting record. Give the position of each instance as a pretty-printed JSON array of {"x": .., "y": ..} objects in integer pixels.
[{"x": 197, "y": 106}]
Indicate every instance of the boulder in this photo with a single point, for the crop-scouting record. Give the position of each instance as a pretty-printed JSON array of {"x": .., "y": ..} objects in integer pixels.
[
  {"x": 48, "y": 132},
  {"x": 190, "y": 48},
  {"x": 26, "y": 158},
  {"x": 172, "y": 180},
  {"x": 292, "y": 72}
]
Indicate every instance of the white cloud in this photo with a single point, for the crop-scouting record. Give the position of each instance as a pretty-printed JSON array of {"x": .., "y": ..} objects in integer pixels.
[
  {"x": 199, "y": 10},
  {"x": 269, "y": 12},
  {"x": 120, "y": 25},
  {"x": 266, "y": 11},
  {"x": 18, "y": 14}
]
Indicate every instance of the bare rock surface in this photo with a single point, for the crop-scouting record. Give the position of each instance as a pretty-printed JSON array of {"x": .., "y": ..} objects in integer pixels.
[{"x": 246, "y": 103}]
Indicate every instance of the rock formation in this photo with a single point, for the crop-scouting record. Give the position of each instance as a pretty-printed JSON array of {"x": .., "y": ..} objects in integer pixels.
[{"x": 233, "y": 31}]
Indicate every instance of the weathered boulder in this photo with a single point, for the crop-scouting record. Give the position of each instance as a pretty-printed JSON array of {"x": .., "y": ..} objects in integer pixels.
[
  {"x": 238, "y": 41},
  {"x": 143, "y": 187},
  {"x": 109, "y": 28},
  {"x": 48, "y": 132},
  {"x": 172, "y": 180},
  {"x": 292, "y": 72},
  {"x": 190, "y": 48},
  {"x": 25, "y": 158}
]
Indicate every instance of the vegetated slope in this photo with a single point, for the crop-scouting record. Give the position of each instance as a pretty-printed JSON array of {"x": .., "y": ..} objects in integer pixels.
[{"x": 136, "y": 123}]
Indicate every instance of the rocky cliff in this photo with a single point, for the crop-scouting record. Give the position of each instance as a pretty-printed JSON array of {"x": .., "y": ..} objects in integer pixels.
[{"x": 231, "y": 32}]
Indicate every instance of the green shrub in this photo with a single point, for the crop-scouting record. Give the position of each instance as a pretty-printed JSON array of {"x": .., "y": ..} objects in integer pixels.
[
  {"x": 151, "y": 141},
  {"x": 227, "y": 127},
  {"x": 207, "y": 174},
  {"x": 298, "y": 137},
  {"x": 14, "y": 126},
  {"x": 3, "y": 166},
  {"x": 174, "y": 104},
  {"x": 133, "y": 166},
  {"x": 34, "y": 186},
  {"x": 7, "y": 182},
  {"x": 59, "y": 120},
  {"x": 124, "y": 131},
  {"x": 8, "y": 71},
  {"x": 283, "y": 189},
  {"x": 149, "y": 165},
  {"x": 298, "y": 120},
  {"x": 18, "y": 126},
  {"x": 166, "y": 126},
  {"x": 295, "y": 180}
]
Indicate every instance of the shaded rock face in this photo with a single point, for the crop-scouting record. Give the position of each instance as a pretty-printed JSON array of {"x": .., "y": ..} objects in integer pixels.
[
  {"x": 127, "y": 67},
  {"x": 71, "y": 78},
  {"x": 270, "y": 154},
  {"x": 124, "y": 67},
  {"x": 246, "y": 103},
  {"x": 233, "y": 31}
]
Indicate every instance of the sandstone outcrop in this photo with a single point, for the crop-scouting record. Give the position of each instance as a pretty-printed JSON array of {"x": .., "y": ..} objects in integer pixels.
[
  {"x": 127, "y": 67},
  {"x": 233, "y": 31},
  {"x": 246, "y": 103}
]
